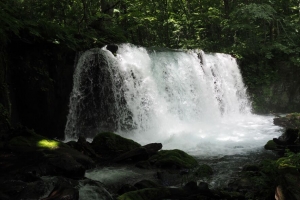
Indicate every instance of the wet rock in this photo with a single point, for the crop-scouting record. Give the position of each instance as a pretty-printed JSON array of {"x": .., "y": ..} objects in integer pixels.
[
  {"x": 111, "y": 144},
  {"x": 143, "y": 164},
  {"x": 203, "y": 171},
  {"x": 90, "y": 189},
  {"x": 287, "y": 138},
  {"x": 250, "y": 168},
  {"x": 33, "y": 153},
  {"x": 174, "y": 159},
  {"x": 84, "y": 147},
  {"x": 140, "y": 153},
  {"x": 271, "y": 145},
  {"x": 146, "y": 184},
  {"x": 62, "y": 193},
  {"x": 291, "y": 120},
  {"x": 113, "y": 48},
  {"x": 126, "y": 188}
]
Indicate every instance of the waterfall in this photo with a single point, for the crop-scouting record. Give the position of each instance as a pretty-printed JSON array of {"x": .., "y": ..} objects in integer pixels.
[{"x": 184, "y": 99}]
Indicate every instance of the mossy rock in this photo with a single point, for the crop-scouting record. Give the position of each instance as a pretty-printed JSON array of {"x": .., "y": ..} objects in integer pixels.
[
  {"x": 203, "y": 171},
  {"x": 30, "y": 141},
  {"x": 173, "y": 158},
  {"x": 146, "y": 194},
  {"x": 107, "y": 142},
  {"x": 271, "y": 145}
]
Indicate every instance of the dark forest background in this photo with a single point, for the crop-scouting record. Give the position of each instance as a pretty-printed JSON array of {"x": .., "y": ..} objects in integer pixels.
[{"x": 40, "y": 40}]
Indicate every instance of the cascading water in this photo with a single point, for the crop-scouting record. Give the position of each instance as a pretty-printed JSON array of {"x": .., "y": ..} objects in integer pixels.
[{"x": 184, "y": 99}]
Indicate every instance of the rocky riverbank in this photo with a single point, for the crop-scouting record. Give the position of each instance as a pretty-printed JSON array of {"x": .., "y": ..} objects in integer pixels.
[{"x": 36, "y": 167}]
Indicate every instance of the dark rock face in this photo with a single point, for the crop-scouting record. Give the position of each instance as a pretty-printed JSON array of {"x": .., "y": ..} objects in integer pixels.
[
  {"x": 287, "y": 138},
  {"x": 281, "y": 95},
  {"x": 40, "y": 82},
  {"x": 112, "y": 48}
]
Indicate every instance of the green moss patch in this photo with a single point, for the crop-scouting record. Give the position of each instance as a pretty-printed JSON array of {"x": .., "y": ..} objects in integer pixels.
[
  {"x": 271, "y": 145},
  {"x": 31, "y": 141},
  {"x": 203, "y": 171},
  {"x": 173, "y": 158},
  {"x": 107, "y": 142}
]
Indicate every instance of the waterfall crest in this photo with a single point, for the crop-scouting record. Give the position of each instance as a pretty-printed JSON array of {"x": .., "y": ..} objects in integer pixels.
[{"x": 149, "y": 95}]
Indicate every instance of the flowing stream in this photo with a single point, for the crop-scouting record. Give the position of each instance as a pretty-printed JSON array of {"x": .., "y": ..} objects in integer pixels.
[{"x": 188, "y": 100}]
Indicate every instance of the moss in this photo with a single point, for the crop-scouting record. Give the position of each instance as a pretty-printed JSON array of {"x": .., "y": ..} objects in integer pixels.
[
  {"x": 113, "y": 143},
  {"x": 271, "y": 145},
  {"x": 203, "y": 171},
  {"x": 146, "y": 194},
  {"x": 31, "y": 141},
  {"x": 173, "y": 158}
]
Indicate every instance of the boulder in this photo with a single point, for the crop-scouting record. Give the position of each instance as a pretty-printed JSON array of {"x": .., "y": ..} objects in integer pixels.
[
  {"x": 62, "y": 193},
  {"x": 113, "y": 48},
  {"x": 41, "y": 156},
  {"x": 271, "y": 145},
  {"x": 90, "y": 189},
  {"x": 174, "y": 159},
  {"x": 203, "y": 171},
  {"x": 84, "y": 147},
  {"x": 289, "y": 137},
  {"x": 140, "y": 153},
  {"x": 146, "y": 184},
  {"x": 107, "y": 143}
]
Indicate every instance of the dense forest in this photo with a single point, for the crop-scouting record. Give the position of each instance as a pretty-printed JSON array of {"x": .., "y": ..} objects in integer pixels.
[
  {"x": 40, "y": 38},
  {"x": 40, "y": 42}
]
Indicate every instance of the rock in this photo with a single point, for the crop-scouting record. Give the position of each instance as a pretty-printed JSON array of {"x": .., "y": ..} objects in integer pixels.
[
  {"x": 143, "y": 164},
  {"x": 203, "y": 171},
  {"x": 126, "y": 188},
  {"x": 291, "y": 120},
  {"x": 90, "y": 189},
  {"x": 65, "y": 166},
  {"x": 250, "y": 168},
  {"x": 140, "y": 153},
  {"x": 25, "y": 140},
  {"x": 113, "y": 48},
  {"x": 175, "y": 159},
  {"x": 84, "y": 147},
  {"x": 287, "y": 138},
  {"x": 33, "y": 153},
  {"x": 222, "y": 194},
  {"x": 146, "y": 194},
  {"x": 107, "y": 143},
  {"x": 190, "y": 189},
  {"x": 271, "y": 145},
  {"x": 146, "y": 184},
  {"x": 62, "y": 193}
]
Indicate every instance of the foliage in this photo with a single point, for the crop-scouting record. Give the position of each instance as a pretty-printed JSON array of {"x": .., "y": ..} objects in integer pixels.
[
  {"x": 263, "y": 35},
  {"x": 290, "y": 160}
]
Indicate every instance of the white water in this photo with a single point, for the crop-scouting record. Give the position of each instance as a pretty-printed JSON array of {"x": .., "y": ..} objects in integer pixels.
[{"x": 186, "y": 100}]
